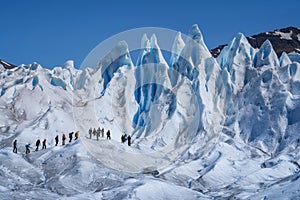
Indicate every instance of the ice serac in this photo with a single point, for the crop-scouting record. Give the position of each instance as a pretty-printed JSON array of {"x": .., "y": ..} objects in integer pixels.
[
  {"x": 192, "y": 56},
  {"x": 284, "y": 60},
  {"x": 196, "y": 48},
  {"x": 237, "y": 59},
  {"x": 260, "y": 114},
  {"x": 152, "y": 86},
  {"x": 177, "y": 47},
  {"x": 197, "y": 68},
  {"x": 145, "y": 48},
  {"x": 266, "y": 56},
  {"x": 119, "y": 56}
]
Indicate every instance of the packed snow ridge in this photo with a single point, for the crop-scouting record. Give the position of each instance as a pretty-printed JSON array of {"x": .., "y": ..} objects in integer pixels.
[{"x": 202, "y": 127}]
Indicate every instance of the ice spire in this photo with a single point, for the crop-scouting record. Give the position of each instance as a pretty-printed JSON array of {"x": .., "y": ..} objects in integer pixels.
[
  {"x": 177, "y": 47},
  {"x": 266, "y": 56},
  {"x": 119, "y": 56},
  {"x": 284, "y": 60}
]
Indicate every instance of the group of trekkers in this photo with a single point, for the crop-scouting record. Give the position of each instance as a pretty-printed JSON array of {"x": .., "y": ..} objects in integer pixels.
[
  {"x": 99, "y": 133},
  {"x": 125, "y": 138},
  {"x": 38, "y": 142},
  {"x": 92, "y": 132}
]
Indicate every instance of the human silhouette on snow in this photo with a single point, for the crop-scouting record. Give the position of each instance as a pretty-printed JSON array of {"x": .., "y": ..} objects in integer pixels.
[
  {"x": 37, "y": 144},
  {"x": 56, "y": 140},
  {"x": 102, "y": 132},
  {"x": 44, "y": 144},
  {"x": 129, "y": 140},
  {"x": 15, "y": 150},
  {"x": 108, "y": 135},
  {"x": 90, "y": 133},
  {"x": 76, "y": 135},
  {"x": 70, "y": 136},
  {"x": 63, "y": 139},
  {"x": 98, "y": 132},
  {"x": 27, "y": 146}
]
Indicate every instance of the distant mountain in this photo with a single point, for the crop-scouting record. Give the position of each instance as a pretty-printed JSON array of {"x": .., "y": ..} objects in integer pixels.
[
  {"x": 6, "y": 65},
  {"x": 283, "y": 40}
]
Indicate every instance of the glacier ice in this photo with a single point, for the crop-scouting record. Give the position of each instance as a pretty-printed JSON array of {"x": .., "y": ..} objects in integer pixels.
[{"x": 203, "y": 127}]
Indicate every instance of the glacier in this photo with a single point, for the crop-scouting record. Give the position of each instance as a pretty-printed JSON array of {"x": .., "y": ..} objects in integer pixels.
[{"x": 201, "y": 127}]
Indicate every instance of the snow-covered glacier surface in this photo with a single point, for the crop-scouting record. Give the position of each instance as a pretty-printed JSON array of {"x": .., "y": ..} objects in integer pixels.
[{"x": 201, "y": 127}]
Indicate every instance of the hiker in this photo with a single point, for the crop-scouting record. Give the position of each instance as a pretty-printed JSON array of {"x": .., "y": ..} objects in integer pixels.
[
  {"x": 90, "y": 133},
  {"x": 56, "y": 140},
  {"x": 27, "y": 146},
  {"x": 37, "y": 144},
  {"x": 44, "y": 144},
  {"x": 15, "y": 150},
  {"x": 70, "y": 136},
  {"x": 108, "y": 135},
  {"x": 63, "y": 139},
  {"x": 94, "y": 132},
  {"x": 76, "y": 135},
  {"x": 129, "y": 140},
  {"x": 122, "y": 139},
  {"x": 98, "y": 133},
  {"x": 102, "y": 132}
]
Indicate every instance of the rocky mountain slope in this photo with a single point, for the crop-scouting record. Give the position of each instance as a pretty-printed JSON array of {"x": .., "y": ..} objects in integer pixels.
[{"x": 283, "y": 40}]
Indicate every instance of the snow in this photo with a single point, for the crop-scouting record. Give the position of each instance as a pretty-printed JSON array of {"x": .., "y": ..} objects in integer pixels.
[
  {"x": 285, "y": 36},
  {"x": 201, "y": 127}
]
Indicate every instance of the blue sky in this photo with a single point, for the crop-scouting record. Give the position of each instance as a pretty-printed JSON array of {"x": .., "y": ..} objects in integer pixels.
[{"x": 51, "y": 32}]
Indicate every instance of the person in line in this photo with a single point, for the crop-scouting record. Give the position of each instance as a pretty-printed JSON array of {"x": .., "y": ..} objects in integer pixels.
[
  {"x": 56, "y": 140},
  {"x": 122, "y": 138},
  {"x": 129, "y": 140},
  {"x": 63, "y": 139},
  {"x": 44, "y": 144},
  {"x": 102, "y": 132},
  {"x": 37, "y": 144},
  {"x": 94, "y": 132},
  {"x": 27, "y": 146},
  {"x": 76, "y": 135},
  {"x": 98, "y": 133},
  {"x": 108, "y": 135},
  {"x": 15, "y": 149},
  {"x": 90, "y": 133},
  {"x": 70, "y": 136}
]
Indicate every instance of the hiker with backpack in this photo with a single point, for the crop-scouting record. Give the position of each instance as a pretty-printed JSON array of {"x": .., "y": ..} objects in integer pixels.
[
  {"x": 37, "y": 144},
  {"x": 76, "y": 135},
  {"x": 129, "y": 140},
  {"x": 15, "y": 150},
  {"x": 27, "y": 147},
  {"x": 98, "y": 133},
  {"x": 102, "y": 132},
  {"x": 70, "y": 136},
  {"x": 56, "y": 140},
  {"x": 108, "y": 135},
  {"x": 44, "y": 144},
  {"x": 94, "y": 132},
  {"x": 63, "y": 139},
  {"x": 90, "y": 133}
]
